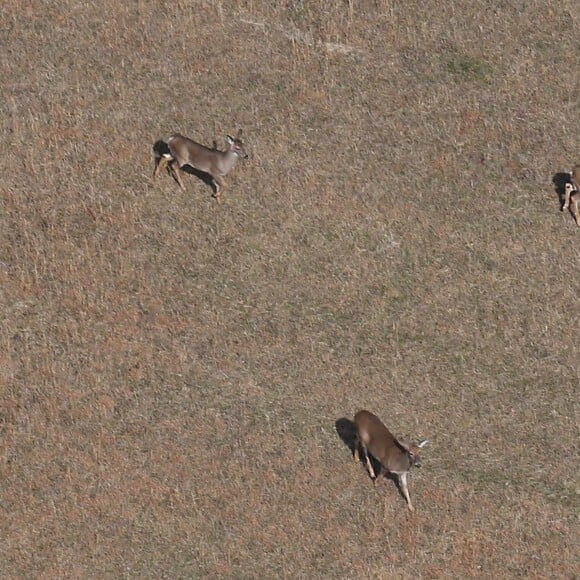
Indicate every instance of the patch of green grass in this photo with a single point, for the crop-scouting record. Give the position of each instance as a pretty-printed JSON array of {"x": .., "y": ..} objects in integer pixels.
[{"x": 469, "y": 68}]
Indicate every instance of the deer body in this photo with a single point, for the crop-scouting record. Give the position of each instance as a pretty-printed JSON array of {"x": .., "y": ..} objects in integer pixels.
[
  {"x": 572, "y": 193},
  {"x": 217, "y": 164},
  {"x": 394, "y": 456}
]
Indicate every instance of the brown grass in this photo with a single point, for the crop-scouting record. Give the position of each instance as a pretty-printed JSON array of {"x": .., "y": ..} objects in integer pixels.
[{"x": 172, "y": 373}]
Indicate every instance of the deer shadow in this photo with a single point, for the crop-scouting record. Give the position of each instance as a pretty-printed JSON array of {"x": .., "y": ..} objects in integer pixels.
[
  {"x": 161, "y": 148},
  {"x": 560, "y": 180},
  {"x": 346, "y": 430}
]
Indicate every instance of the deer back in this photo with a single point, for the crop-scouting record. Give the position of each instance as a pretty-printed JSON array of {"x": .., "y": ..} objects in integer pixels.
[
  {"x": 189, "y": 152},
  {"x": 382, "y": 444},
  {"x": 575, "y": 176}
]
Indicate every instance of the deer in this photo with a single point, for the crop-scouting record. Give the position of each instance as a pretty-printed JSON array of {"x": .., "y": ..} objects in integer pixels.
[
  {"x": 572, "y": 194},
  {"x": 395, "y": 456},
  {"x": 217, "y": 164}
]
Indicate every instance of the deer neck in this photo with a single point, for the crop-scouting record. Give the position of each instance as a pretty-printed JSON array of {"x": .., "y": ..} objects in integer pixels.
[{"x": 229, "y": 160}]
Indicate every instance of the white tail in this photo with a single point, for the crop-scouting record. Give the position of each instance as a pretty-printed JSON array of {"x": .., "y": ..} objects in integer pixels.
[
  {"x": 395, "y": 456},
  {"x": 217, "y": 164},
  {"x": 572, "y": 194}
]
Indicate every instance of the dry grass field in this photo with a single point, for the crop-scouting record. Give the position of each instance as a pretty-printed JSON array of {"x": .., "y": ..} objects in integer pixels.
[{"x": 177, "y": 378}]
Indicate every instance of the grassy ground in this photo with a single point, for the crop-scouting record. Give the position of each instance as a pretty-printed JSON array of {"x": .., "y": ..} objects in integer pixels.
[{"x": 174, "y": 376}]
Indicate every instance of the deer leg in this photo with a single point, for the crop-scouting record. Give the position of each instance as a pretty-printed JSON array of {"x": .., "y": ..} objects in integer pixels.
[
  {"x": 403, "y": 483},
  {"x": 566, "y": 199},
  {"x": 160, "y": 166},
  {"x": 574, "y": 208},
  {"x": 355, "y": 452},
  {"x": 369, "y": 464},
  {"x": 220, "y": 185},
  {"x": 174, "y": 168}
]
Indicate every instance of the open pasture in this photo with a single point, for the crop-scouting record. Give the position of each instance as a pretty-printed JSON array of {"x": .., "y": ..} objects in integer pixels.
[{"x": 177, "y": 377}]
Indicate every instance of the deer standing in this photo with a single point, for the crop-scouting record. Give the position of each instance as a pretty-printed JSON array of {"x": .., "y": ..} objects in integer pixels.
[
  {"x": 394, "y": 455},
  {"x": 217, "y": 164},
  {"x": 572, "y": 193}
]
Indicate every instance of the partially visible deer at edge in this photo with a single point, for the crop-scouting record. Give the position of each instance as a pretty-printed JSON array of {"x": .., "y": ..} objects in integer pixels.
[
  {"x": 572, "y": 194},
  {"x": 217, "y": 164},
  {"x": 394, "y": 455}
]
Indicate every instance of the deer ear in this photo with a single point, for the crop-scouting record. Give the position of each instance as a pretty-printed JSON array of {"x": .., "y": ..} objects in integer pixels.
[
  {"x": 404, "y": 443},
  {"x": 229, "y": 139},
  {"x": 420, "y": 444}
]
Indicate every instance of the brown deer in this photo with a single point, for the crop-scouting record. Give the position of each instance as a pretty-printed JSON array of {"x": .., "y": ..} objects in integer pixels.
[
  {"x": 572, "y": 194},
  {"x": 394, "y": 455},
  {"x": 217, "y": 164}
]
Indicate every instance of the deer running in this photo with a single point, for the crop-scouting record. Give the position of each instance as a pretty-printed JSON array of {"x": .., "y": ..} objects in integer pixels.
[
  {"x": 572, "y": 194},
  {"x": 395, "y": 456},
  {"x": 217, "y": 164}
]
